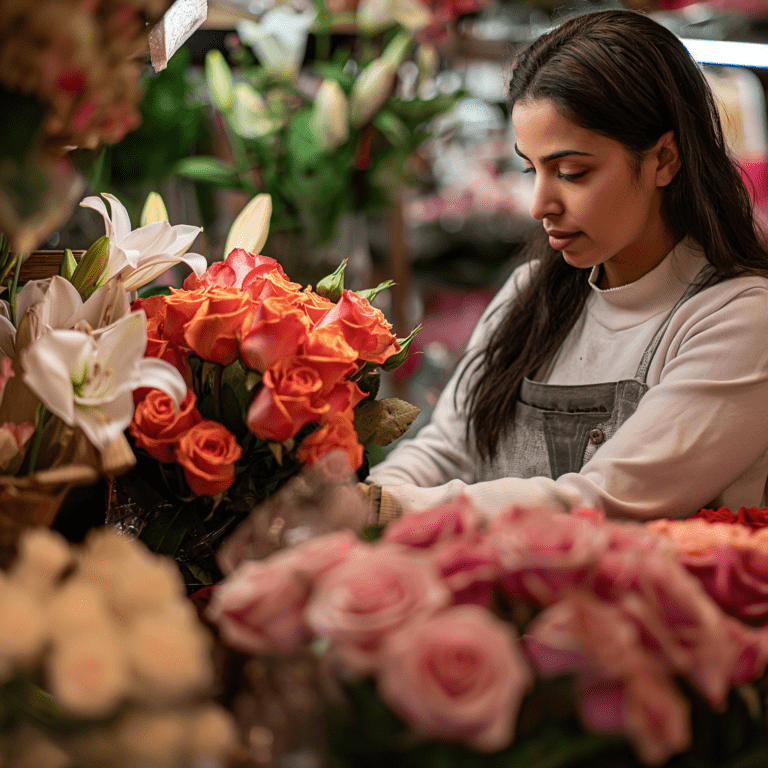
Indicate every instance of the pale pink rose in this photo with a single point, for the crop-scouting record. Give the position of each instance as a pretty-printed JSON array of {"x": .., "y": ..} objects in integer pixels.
[
  {"x": 730, "y": 561},
  {"x": 374, "y": 592},
  {"x": 680, "y": 622},
  {"x": 545, "y": 554},
  {"x": 454, "y": 519},
  {"x": 469, "y": 569},
  {"x": 458, "y": 675},
  {"x": 753, "y": 658},
  {"x": 622, "y": 688},
  {"x": 13, "y": 438},
  {"x": 316, "y": 556},
  {"x": 259, "y": 607}
]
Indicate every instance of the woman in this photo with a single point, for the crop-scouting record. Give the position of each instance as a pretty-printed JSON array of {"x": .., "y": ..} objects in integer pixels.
[{"x": 625, "y": 366}]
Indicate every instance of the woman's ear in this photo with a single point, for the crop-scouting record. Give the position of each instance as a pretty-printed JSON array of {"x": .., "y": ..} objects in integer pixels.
[{"x": 668, "y": 159}]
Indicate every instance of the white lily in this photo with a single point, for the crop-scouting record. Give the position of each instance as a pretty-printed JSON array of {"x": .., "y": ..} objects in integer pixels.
[
  {"x": 87, "y": 379},
  {"x": 250, "y": 116},
  {"x": 279, "y": 39},
  {"x": 137, "y": 257},
  {"x": 377, "y": 15},
  {"x": 330, "y": 115}
]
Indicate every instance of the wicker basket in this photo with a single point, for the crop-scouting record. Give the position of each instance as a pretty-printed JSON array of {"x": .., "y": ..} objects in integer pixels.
[{"x": 33, "y": 501}]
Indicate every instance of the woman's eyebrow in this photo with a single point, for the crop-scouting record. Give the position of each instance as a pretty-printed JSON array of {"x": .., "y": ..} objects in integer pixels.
[{"x": 554, "y": 155}]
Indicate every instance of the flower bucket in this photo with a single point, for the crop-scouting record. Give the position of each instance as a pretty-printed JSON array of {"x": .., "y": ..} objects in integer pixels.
[{"x": 34, "y": 500}]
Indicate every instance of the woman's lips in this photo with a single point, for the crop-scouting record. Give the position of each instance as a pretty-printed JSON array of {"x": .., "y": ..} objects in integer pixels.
[{"x": 561, "y": 240}]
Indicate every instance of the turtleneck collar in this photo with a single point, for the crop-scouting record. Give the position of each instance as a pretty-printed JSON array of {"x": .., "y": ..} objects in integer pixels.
[{"x": 654, "y": 293}]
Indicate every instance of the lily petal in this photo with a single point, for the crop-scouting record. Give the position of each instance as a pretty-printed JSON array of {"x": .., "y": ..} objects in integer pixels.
[
  {"x": 120, "y": 219},
  {"x": 250, "y": 229},
  {"x": 152, "y": 268},
  {"x": 160, "y": 374},
  {"x": 99, "y": 206},
  {"x": 7, "y": 338}
]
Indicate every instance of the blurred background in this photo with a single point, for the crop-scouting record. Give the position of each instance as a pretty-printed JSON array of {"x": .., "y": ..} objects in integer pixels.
[{"x": 408, "y": 172}]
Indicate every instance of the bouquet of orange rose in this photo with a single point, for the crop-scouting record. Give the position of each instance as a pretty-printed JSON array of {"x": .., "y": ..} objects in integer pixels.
[{"x": 278, "y": 375}]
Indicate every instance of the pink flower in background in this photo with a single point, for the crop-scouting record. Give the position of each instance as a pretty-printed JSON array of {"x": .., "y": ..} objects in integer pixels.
[
  {"x": 545, "y": 554},
  {"x": 469, "y": 569},
  {"x": 259, "y": 607},
  {"x": 622, "y": 687},
  {"x": 458, "y": 675},
  {"x": 374, "y": 592},
  {"x": 457, "y": 519},
  {"x": 730, "y": 561}
]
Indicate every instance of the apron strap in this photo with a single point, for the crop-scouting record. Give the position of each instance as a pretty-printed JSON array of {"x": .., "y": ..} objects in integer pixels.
[{"x": 702, "y": 280}]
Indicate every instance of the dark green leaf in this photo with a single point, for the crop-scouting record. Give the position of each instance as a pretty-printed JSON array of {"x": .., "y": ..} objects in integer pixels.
[
  {"x": 166, "y": 529},
  {"x": 204, "y": 168}
]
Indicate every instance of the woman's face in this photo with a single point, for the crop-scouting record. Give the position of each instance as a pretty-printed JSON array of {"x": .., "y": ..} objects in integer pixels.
[{"x": 593, "y": 204}]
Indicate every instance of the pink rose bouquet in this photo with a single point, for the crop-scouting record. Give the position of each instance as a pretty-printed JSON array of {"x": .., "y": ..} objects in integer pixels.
[{"x": 529, "y": 636}]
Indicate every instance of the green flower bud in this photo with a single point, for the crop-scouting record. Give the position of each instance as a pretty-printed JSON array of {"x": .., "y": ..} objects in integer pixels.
[
  {"x": 391, "y": 363},
  {"x": 68, "y": 265},
  {"x": 91, "y": 267},
  {"x": 331, "y": 286},
  {"x": 219, "y": 79}
]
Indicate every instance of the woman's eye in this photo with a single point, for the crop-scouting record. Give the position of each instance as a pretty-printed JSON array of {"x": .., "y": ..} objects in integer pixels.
[
  {"x": 529, "y": 170},
  {"x": 570, "y": 176}
]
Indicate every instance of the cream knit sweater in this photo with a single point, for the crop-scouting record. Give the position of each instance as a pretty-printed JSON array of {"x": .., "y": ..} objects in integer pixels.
[{"x": 698, "y": 438}]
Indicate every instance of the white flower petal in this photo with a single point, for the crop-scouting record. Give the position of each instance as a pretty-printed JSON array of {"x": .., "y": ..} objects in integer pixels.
[
  {"x": 147, "y": 272},
  {"x": 105, "y": 305},
  {"x": 122, "y": 344},
  {"x": 48, "y": 364},
  {"x": 121, "y": 222},
  {"x": 100, "y": 206},
  {"x": 159, "y": 374},
  {"x": 7, "y": 338},
  {"x": 185, "y": 236},
  {"x": 103, "y": 425},
  {"x": 154, "y": 238}
]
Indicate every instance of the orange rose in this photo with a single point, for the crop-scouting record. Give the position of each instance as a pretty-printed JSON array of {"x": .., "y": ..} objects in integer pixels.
[
  {"x": 315, "y": 305},
  {"x": 154, "y": 309},
  {"x": 208, "y": 452},
  {"x": 328, "y": 353},
  {"x": 277, "y": 330},
  {"x": 180, "y": 308},
  {"x": 238, "y": 268},
  {"x": 288, "y": 399},
  {"x": 272, "y": 284},
  {"x": 157, "y": 425},
  {"x": 337, "y": 434},
  {"x": 364, "y": 327},
  {"x": 342, "y": 399},
  {"x": 213, "y": 331}
]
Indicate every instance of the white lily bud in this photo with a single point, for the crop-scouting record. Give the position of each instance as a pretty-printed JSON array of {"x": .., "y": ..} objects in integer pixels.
[
  {"x": 251, "y": 117},
  {"x": 376, "y": 15},
  {"x": 250, "y": 229},
  {"x": 154, "y": 210},
  {"x": 370, "y": 91},
  {"x": 219, "y": 79},
  {"x": 428, "y": 61},
  {"x": 330, "y": 117}
]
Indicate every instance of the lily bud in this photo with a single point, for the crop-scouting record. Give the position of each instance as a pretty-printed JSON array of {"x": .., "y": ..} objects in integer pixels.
[
  {"x": 428, "y": 62},
  {"x": 91, "y": 267},
  {"x": 250, "y": 229},
  {"x": 68, "y": 265},
  {"x": 154, "y": 210},
  {"x": 219, "y": 79},
  {"x": 331, "y": 286},
  {"x": 377, "y": 15},
  {"x": 397, "y": 49},
  {"x": 251, "y": 117},
  {"x": 370, "y": 91},
  {"x": 330, "y": 116}
]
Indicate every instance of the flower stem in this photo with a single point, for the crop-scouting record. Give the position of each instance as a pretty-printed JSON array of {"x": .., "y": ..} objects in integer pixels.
[
  {"x": 12, "y": 289},
  {"x": 37, "y": 438},
  {"x": 217, "y": 376}
]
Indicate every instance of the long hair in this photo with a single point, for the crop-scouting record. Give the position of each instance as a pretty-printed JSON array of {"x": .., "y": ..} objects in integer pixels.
[{"x": 622, "y": 75}]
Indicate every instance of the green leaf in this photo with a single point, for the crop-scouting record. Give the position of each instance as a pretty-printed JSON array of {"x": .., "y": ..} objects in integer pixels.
[
  {"x": 203, "y": 168},
  {"x": 166, "y": 529},
  {"x": 383, "y": 421},
  {"x": 302, "y": 146},
  {"x": 392, "y": 127},
  {"x": 158, "y": 290}
]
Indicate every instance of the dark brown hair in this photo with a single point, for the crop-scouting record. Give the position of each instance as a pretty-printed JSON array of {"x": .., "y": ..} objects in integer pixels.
[{"x": 622, "y": 75}]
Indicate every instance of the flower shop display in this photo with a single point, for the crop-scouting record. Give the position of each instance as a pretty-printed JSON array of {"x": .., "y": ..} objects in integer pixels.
[
  {"x": 103, "y": 660},
  {"x": 278, "y": 376},
  {"x": 72, "y": 355},
  {"x": 332, "y": 139},
  {"x": 529, "y": 638}
]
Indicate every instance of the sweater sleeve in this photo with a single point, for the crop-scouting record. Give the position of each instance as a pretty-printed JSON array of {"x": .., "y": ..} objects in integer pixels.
[
  {"x": 694, "y": 433},
  {"x": 439, "y": 452}
]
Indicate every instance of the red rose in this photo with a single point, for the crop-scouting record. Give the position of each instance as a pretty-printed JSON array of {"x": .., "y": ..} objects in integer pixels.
[
  {"x": 277, "y": 330},
  {"x": 157, "y": 425},
  {"x": 208, "y": 452},
  {"x": 722, "y": 515},
  {"x": 754, "y": 517}
]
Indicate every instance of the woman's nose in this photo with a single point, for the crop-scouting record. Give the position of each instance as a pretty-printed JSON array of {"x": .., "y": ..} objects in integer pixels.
[{"x": 545, "y": 201}]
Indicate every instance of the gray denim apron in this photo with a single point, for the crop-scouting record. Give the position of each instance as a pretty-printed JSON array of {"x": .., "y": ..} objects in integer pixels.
[{"x": 559, "y": 428}]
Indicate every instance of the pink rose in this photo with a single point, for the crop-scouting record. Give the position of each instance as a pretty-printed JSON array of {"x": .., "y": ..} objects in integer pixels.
[
  {"x": 238, "y": 270},
  {"x": 730, "y": 561},
  {"x": 545, "y": 554},
  {"x": 458, "y": 675},
  {"x": 374, "y": 592},
  {"x": 259, "y": 607},
  {"x": 469, "y": 569},
  {"x": 622, "y": 688},
  {"x": 317, "y": 555},
  {"x": 754, "y": 650},
  {"x": 422, "y": 530}
]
